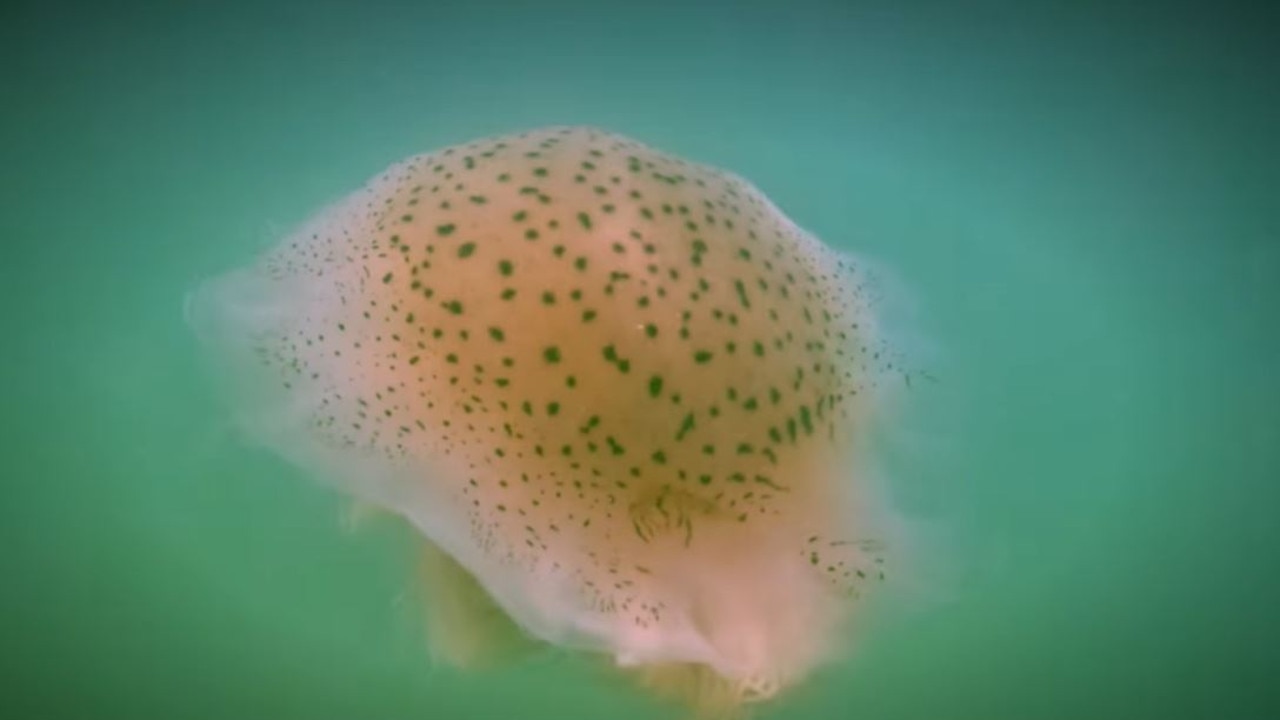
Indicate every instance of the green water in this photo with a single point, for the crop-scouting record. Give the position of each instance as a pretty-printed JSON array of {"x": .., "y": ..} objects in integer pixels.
[{"x": 1084, "y": 202}]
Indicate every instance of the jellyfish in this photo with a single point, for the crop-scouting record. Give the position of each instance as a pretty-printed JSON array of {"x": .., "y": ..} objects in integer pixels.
[{"x": 619, "y": 394}]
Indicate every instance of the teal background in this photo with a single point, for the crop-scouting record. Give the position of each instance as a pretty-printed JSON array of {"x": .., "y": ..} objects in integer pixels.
[{"x": 1082, "y": 197}]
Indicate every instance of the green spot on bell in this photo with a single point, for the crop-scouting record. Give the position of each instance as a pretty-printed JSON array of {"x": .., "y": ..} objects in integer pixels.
[{"x": 686, "y": 426}]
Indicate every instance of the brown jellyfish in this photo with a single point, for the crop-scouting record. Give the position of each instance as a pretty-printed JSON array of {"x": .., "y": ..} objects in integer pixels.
[{"x": 619, "y": 394}]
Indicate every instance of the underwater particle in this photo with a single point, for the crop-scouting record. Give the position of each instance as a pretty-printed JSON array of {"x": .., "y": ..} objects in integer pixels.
[{"x": 539, "y": 381}]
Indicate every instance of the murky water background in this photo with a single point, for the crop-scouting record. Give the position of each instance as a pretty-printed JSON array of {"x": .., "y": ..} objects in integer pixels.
[{"x": 1084, "y": 201}]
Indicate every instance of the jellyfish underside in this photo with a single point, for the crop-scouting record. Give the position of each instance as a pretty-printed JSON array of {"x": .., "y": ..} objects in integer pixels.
[{"x": 619, "y": 395}]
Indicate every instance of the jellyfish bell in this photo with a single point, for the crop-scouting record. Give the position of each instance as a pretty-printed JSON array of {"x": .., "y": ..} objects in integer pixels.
[{"x": 620, "y": 395}]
